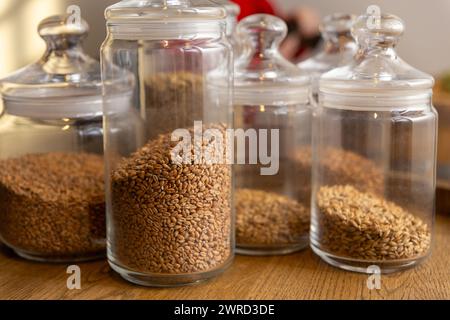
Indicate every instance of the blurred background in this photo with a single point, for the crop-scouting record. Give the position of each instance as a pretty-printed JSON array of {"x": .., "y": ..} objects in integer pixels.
[{"x": 425, "y": 44}]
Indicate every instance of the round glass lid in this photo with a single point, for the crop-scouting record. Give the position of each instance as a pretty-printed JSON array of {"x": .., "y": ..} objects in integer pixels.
[
  {"x": 376, "y": 70},
  {"x": 338, "y": 47},
  {"x": 262, "y": 74},
  {"x": 65, "y": 82}
]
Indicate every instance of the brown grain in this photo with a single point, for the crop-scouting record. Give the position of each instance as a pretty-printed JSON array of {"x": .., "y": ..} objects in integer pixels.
[
  {"x": 52, "y": 205},
  {"x": 365, "y": 226},
  {"x": 169, "y": 218},
  {"x": 267, "y": 218}
]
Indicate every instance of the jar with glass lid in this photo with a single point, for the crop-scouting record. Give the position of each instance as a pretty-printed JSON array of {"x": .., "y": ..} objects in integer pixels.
[
  {"x": 337, "y": 50},
  {"x": 169, "y": 183},
  {"x": 271, "y": 105},
  {"x": 375, "y": 156},
  {"x": 52, "y": 205}
]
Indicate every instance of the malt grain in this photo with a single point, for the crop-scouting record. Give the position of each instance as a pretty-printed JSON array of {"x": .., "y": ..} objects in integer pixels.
[
  {"x": 266, "y": 218},
  {"x": 168, "y": 218},
  {"x": 365, "y": 226},
  {"x": 52, "y": 205}
]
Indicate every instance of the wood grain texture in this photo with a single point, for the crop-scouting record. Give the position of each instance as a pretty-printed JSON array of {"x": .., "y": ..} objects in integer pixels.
[{"x": 296, "y": 276}]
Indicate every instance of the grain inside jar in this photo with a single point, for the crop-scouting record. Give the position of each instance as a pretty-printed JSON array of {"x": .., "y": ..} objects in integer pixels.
[
  {"x": 364, "y": 226},
  {"x": 269, "y": 219},
  {"x": 170, "y": 218},
  {"x": 52, "y": 206}
]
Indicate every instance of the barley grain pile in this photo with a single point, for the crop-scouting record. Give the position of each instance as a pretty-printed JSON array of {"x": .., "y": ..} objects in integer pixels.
[
  {"x": 170, "y": 218},
  {"x": 53, "y": 204},
  {"x": 364, "y": 226},
  {"x": 266, "y": 218}
]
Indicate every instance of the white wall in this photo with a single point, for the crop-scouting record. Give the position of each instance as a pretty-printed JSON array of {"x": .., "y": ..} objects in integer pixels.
[{"x": 426, "y": 43}]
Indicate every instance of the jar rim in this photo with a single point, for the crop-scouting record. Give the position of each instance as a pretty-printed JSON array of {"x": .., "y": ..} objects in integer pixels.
[
  {"x": 270, "y": 94},
  {"x": 372, "y": 100},
  {"x": 147, "y": 13}
]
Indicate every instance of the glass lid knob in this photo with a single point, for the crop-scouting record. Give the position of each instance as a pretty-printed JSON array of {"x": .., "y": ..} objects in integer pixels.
[
  {"x": 60, "y": 32},
  {"x": 262, "y": 75},
  {"x": 384, "y": 30},
  {"x": 264, "y": 31},
  {"x": 64, "y": 57}
]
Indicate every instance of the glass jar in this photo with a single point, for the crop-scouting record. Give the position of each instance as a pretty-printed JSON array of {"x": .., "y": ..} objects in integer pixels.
[
  {"x": 272, "y": 109},
  {"x": 375, "y": 157},
  {"x": 169, "y": 184},
  {"x": 338, "y": 48},
  {"x": 52, "y": 205}
]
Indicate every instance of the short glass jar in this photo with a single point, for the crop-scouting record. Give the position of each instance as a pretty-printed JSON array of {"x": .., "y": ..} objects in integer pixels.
[
  {"x": 272, "y": 109},
  {"x": 169, "y": 186},
  {"x": 374, "y": 171},
  {"x": 52, "y": 205}
]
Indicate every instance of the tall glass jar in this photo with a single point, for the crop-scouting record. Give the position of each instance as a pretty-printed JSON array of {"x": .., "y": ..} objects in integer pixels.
[
  {"x": 52, "y": 205},
  {"x": 169, "y": 183},
  {"x": 272, "y": 109},
  {"x": 338, "y": 48},
  {"x": 374, "y": 157}
]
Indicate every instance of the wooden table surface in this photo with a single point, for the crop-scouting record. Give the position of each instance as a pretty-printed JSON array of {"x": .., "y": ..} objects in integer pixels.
[{"x": 296, "y": 276}]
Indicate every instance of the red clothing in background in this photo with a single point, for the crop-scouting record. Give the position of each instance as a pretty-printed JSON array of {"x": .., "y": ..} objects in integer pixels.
[{"x": 249, "y": 7}]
